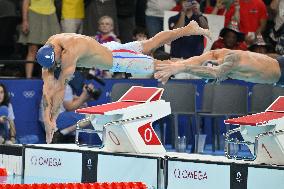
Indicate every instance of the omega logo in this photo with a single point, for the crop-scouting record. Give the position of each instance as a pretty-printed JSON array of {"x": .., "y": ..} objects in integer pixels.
[
  {"x": 45, "y": 161},
  {"x": 190, "y": 174}
]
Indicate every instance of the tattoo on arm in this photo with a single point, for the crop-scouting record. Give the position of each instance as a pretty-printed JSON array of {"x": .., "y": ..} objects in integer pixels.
[
  {"x": 203, "y": 71},
  {"x": 66, "y": 82},
  {"x": 220, "y": 72},
  {"x": 232, "y": 57},
  {"x": 45, "y": 103},
  {"x": 56, "y": 109}
]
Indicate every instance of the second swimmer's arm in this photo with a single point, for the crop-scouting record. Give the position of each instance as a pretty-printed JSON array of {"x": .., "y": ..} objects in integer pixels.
[{"x": 220, "y": 72}]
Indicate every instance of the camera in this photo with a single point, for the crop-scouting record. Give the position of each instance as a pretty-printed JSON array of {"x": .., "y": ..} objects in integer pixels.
[
  {"x": 83, "y": 77},
  {"x": 94, "y": 93}
]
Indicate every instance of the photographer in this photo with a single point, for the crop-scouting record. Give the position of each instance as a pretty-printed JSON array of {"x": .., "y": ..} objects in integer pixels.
[
  {"x": 186, "y": 47},
  {"x": 67, "y": 119}
]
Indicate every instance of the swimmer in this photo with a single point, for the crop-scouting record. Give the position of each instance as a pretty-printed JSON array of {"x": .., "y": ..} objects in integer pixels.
[
  {"x": 235, "y": 64},
  {"x": 69, "y": 51}
]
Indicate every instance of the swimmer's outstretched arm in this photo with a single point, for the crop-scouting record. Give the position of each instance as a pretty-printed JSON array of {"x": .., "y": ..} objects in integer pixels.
[
  {"x": 165, "y": 69},
  {"x": 165, "y": 37},
  {"x": 193, "y": 66},
  {"x": 219, "y": 73},
  {"x": 207, "y": 56}
]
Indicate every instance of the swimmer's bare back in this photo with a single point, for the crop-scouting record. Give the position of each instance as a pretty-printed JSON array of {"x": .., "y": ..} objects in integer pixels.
[{"x": 85, "y": 51}]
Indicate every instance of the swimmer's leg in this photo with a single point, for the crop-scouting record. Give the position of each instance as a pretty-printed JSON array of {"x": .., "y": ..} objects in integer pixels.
[{"x": 165, "y": 37}]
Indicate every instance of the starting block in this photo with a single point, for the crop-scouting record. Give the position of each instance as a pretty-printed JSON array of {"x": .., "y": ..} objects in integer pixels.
[
  {"x": 126, "y": 125},
  {"x": 263, "y": 133}
]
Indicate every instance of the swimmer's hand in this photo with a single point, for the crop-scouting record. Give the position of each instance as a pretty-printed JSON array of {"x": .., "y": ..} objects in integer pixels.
[
  {"x": 165, "y": 69},
  {"x": 50, "y": 129}
]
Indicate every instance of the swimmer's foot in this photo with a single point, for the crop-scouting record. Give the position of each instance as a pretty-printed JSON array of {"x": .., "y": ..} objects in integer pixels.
[{"x": 194, "y": 29}]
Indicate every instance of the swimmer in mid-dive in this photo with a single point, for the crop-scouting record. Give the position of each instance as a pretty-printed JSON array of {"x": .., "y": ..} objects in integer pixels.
[
  {"x": 235, "y": 64},
  {"x": 69, "y": 51}
]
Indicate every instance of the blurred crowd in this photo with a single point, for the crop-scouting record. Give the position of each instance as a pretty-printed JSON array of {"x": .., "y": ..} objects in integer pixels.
[{"x": 255, "y": 25}]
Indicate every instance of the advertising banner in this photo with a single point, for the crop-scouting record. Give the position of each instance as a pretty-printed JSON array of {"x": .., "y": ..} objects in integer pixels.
[
  {"x": 127, "y": 169},
  {"x": 184, "y": 175},
  {"x": 263, "y": 178},
  {"x": 46, "y": 166}
]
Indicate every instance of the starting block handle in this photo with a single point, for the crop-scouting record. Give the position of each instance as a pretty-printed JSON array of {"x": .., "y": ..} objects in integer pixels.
[
  {"x": 127, "y": 120},
  {"x": 78, "y": 129},
  {"x": 87, "y": 131},
  {"x": 82, "y": 121},
  {"x": 81, "y": 130},
  {"x": 229, "y": 140}
]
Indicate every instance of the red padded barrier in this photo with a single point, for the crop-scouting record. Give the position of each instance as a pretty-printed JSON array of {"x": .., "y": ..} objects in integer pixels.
[{"x": 104, "y": 185}]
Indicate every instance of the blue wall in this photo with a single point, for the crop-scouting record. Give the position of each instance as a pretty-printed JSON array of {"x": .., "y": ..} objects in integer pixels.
[{"x": 25, "y": 98}]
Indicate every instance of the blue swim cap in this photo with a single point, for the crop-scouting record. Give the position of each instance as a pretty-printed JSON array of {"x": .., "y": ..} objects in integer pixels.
[{"x": 45, "y": 56}]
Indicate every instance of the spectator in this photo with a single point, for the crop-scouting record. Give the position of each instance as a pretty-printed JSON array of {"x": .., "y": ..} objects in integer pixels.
[
  {"x": 155, "y": 14},
  {"x": 189, "y": 46},
  {"x": 104, "y": 35},
  {"x": 269, "y": 23},
  {"x": 126, "y": 10},
  {"x": 72, "y": 16},
  {"x": 140, "y": 13},
  {"x": 260, "y": 46},
  {"x": 94, "y": 10},
  {"x": 140, "y": 34},
  {"x": 230, "y": 38},
  {"x": 178, "y": 6},
  {"x": 217, "y": 7},
  {"x": 105, "y": 31},
  {"x": 252, "y": 16},
  {"x": 67, "y": 119},
  {"x": 277, "y": 6},
  {"x": 7, "y": 125},
  {"x": 8, "y": 21},
  {"x": 39, "y": 22}
]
